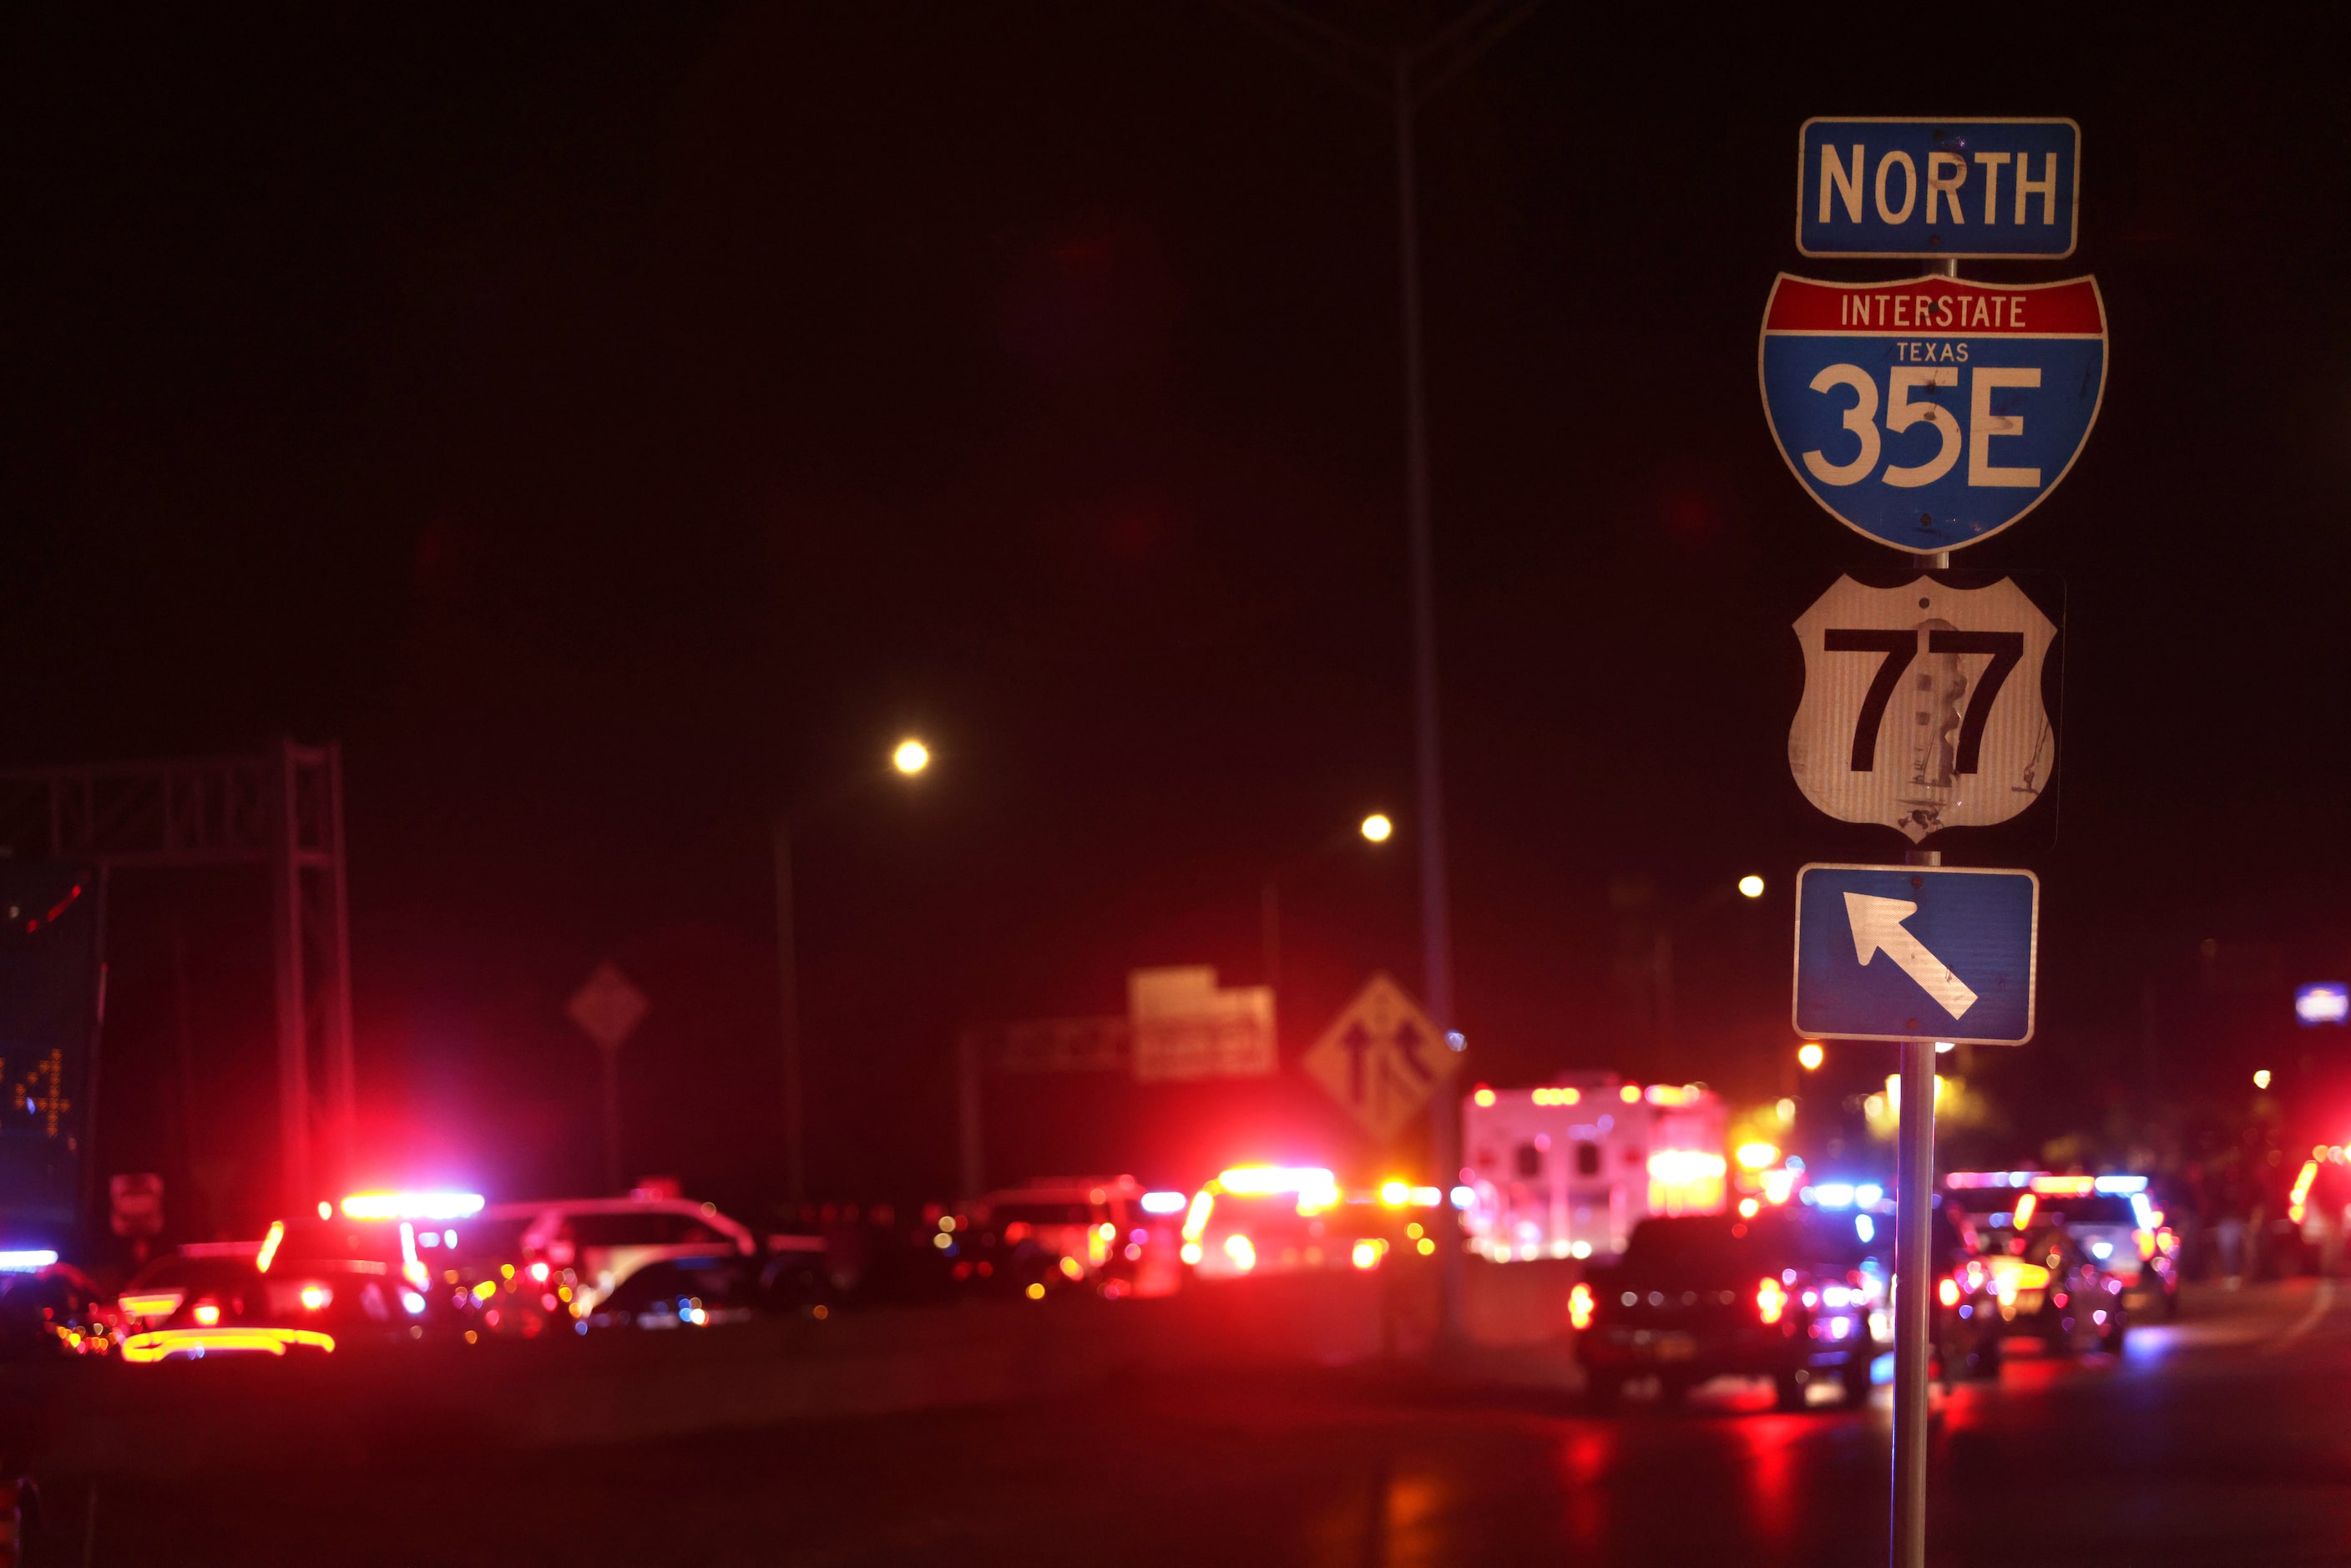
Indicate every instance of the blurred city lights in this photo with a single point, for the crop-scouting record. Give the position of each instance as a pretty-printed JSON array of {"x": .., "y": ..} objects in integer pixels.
[
  {"x": 1751, "y": 887},
  {"x": 1756, "y": 1157},
  {"x": 911, "y": 758},
  {"x": 2261, "y": 1079},
  {"x": 1377, "y": 828},
  {"x": 1809, "y": 1055}
]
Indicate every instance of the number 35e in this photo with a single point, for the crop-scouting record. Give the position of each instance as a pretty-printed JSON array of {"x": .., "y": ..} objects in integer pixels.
[{"x": 1902, "y": 411}]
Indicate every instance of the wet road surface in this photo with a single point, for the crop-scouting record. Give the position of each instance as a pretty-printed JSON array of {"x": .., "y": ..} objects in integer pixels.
[{"x": 2222, "y": 1438}]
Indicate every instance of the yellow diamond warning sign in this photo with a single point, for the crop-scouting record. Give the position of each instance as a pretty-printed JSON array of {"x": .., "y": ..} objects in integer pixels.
[{"x": 1381, "y": 1058}]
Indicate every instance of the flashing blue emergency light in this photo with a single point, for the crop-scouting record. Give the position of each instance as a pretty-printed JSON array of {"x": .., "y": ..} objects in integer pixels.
[{"x": 2325, "y": 1002}]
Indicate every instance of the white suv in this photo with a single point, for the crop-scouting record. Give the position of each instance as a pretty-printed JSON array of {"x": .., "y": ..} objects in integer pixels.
[{"x": 604, "y": 1241}]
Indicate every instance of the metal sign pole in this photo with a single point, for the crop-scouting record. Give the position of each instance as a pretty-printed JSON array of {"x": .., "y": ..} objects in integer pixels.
[
  {"x": 1914, "y": 1298},
  {"x": 1914, "y": 1249}
]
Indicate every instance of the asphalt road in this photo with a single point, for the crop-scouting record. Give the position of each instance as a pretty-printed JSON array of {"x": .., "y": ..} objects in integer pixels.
[{"x": 2223, "y": 1438}]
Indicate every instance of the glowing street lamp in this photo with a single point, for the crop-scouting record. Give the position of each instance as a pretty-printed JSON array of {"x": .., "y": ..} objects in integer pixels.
[
  {"x": 1751, "y": 887},
  {"x": 1809, "y": 1055},
  {"x": 1377, "y": 828},
  {"x": 910, "y": 757},
  {"x": 2261, "y": 1079}
]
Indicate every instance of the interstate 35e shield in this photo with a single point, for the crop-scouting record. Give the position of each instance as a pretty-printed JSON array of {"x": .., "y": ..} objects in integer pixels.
[
  {"x": 1922, "y": 704},
  {"x": 1928, "y": 412}
]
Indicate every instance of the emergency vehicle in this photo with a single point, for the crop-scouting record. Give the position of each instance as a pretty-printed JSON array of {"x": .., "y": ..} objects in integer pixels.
[{"x": 1568, "y": 1169}]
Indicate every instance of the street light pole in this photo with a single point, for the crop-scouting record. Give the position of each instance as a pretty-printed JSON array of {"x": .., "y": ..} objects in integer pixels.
[
  {"x": 788, "y": 982},
  {"x": 1268, "y": 930},
  {"x": 910, "y": 758},
  {"x": 1401, "y": 81}
]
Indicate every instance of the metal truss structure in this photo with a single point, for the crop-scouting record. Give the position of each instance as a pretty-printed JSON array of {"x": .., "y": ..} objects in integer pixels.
[{"x": 283, "y": 810}]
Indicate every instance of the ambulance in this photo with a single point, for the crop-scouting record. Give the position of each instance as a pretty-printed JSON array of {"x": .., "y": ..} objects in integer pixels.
[{"x": 1568, "y": 1169}]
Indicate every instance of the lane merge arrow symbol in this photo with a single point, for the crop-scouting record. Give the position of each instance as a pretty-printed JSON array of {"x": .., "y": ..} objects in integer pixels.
[{"x": 1877, "y": 928}]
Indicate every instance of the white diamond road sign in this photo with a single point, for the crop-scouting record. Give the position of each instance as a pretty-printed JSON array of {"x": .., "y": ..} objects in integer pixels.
[{"x": 607, "y": 1009}]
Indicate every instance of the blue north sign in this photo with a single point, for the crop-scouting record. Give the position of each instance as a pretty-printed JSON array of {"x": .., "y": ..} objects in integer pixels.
[
  {"x": 1917, "y": 953},
  {"x": 1928, "y": 413},
  {"x": 1938, "y": 187}
]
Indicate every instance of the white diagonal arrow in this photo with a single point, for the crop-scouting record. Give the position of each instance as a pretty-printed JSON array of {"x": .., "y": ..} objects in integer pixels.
[{"x": 1877, "y": 925}]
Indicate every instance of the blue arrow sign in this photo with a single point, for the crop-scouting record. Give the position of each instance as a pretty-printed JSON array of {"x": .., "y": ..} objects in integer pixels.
[
  {"x": 1917, "y": 953},
  {"x": 1937, "y": 187},
  {"x": 1928, "y": 412}
]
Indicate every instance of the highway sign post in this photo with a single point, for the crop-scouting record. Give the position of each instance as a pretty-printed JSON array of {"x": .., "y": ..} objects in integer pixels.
[
  {"x": 1903, "y": 953},
  {"x": 1925, "y": 414},
  {"x": 1382, "y": 1058},
  {"x": 607, "y": 1009},
  {"x": 1928, "y": 413},
  {"x": 1922, "y": 704}
]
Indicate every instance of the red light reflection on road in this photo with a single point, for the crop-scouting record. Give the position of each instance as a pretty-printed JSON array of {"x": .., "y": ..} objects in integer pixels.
[
  {"x": 1769, "y": 1476},
  {"x": 1586, "y": 1454}
]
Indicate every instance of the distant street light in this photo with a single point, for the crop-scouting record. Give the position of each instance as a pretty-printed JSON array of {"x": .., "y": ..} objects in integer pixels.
[
  {"x": 1809, "y": 1055},
  {"x": 1751, "y": 887},
  {"x": 1377, "y": 828},
  {"x": 910, "y": 758},
  {"x": 2261, "y": 1079}
]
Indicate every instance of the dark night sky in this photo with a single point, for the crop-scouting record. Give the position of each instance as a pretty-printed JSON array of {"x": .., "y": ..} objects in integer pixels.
[{"x": 609, "y": 426}]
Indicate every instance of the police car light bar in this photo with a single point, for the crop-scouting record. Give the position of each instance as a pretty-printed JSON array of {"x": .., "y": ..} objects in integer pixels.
[
  {"x": 28, "y": 1262},
  {"x": 413, "y": 1205},
  {"x": 2064, "y": 1186},
  {"x": 2122, "y": 1184},
  {"x": 1165, "y": 1202},
  {"x": 1963, "y": 1181}
]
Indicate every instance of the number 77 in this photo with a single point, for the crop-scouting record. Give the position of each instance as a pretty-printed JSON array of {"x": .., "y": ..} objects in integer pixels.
[{"x": 2006, "y": 648}]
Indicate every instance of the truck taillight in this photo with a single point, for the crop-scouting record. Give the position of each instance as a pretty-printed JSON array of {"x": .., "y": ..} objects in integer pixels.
[
  {"x": 1579, "y": 1307},
  {"x": 1771, "y": 1300}
]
